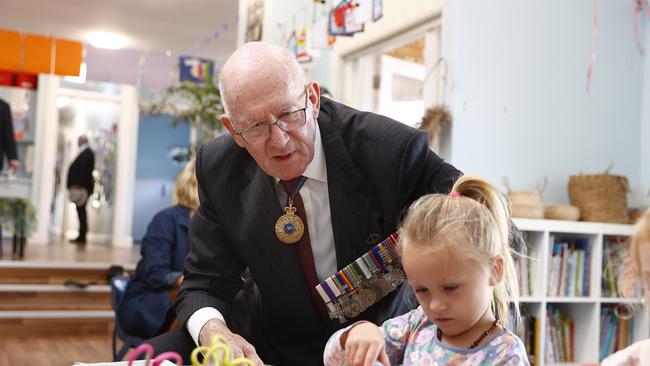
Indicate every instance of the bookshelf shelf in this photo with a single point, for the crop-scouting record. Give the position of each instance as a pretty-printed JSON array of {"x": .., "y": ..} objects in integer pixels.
[
  {"x": 528, "y": 299},
  {"x": 617, "y": 300},
  {"x": 569, "y": 292},
  {"x": 575, "y": 300}
]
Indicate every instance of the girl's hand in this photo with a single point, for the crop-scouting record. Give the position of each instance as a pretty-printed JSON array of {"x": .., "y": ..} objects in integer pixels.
[{"x": 364, "y": 345}]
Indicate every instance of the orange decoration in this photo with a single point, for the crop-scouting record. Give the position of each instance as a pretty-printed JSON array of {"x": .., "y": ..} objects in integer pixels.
[
  {"x": 37, "y": 54},
  {"x": 10, "y": 55},
  {"x": 68, "y": 57}
]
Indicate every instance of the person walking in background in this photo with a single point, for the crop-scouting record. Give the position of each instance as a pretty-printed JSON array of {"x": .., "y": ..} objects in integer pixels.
[
  {"x": 146, "y": 309},
  {"x": 80, "y": 185},
  {"x": 7, "y": 142}
]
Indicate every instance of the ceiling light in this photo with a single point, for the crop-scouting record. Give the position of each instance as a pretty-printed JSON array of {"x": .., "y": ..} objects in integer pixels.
[{"x": 107, "y": 40}]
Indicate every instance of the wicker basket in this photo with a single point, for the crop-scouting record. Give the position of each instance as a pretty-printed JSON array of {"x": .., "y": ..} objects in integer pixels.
[
  {"x": 527, "y": 204},
  {"x": 600, "y": 197},
  {"x": 562, "y": 212}
]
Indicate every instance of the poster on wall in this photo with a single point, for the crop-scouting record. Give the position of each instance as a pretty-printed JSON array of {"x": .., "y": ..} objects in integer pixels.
[
  {"x": 342, "y": 20},
  {"x": 195, "y": 69},
  {"x": 254, "y": 20},
  {"x": 303, "y": 47},
  {"x": 377, "y": 9}
]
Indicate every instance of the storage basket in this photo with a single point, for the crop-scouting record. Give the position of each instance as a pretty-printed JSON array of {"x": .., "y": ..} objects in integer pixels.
[
  {"x": 600, "y": 197},
  {"x": 527, "y": 204},
  {"x": 562, "y": 212}
]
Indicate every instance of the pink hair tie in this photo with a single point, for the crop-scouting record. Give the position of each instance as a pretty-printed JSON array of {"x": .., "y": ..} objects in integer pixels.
[{"x": 454, "y": 194}]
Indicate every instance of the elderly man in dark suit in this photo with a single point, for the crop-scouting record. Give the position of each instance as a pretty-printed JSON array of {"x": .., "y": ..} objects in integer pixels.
[
  {"x": 7, "y": 142},
  {"x": 80, "y": 178},
  {"x": 349, "y": 174}
]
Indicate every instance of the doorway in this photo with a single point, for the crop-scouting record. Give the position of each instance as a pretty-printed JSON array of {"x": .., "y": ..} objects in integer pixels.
[
  {"x": 399, "y": 77},
  {"x": 97, "y": 119}
]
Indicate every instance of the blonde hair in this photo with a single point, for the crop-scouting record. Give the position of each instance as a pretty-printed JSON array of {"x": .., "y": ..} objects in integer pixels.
[
  {"x": 186, "y": 189},
  {"x": 478, "y": 216},
  {"x": 631, "y": 268}
]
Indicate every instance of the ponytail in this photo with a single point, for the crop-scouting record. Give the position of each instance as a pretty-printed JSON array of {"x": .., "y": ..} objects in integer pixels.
[{"x": 507, "y": 290}]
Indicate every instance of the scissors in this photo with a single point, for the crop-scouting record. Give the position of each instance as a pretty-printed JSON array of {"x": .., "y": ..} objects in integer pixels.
[
  {"x": 219, "y": 353},
  {"x": 148, "y": 349}
]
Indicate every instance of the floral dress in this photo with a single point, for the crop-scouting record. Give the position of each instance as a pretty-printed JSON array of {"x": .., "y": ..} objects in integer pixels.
[{"x": 411, "y": 340}]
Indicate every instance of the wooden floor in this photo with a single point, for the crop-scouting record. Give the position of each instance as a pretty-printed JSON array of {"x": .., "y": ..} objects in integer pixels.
[
  {"x": 64, "y": 252},
  {"x": 54, "y": 350}
]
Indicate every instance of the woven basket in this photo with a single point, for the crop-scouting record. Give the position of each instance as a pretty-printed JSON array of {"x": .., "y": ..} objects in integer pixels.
[
  {"x": 600, "y": 197},
  {"x": 527, "y": 204},
  {"x": 562, "y": 212}
]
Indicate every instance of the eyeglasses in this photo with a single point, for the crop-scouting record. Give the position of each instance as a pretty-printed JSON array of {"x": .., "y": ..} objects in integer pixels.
[{"x": 287, "y": 122}]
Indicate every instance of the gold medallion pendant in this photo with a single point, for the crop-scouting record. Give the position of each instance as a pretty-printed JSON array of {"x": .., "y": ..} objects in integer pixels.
[{"x": 289, "y": 227}]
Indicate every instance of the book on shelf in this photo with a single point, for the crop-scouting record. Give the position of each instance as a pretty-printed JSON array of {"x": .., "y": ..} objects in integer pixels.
[
  {"x": 560, "y": 338},
  {"x": 616, "y": 331},
  {"x": 569, "y": 267}
]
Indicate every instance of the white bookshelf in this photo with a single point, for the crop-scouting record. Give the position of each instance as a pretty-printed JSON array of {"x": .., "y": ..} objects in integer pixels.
[{"x": 583, "y": 310}]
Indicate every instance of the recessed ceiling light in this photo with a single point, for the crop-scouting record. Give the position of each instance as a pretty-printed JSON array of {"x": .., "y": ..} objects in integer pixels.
[{"x": 107, "y": 40}]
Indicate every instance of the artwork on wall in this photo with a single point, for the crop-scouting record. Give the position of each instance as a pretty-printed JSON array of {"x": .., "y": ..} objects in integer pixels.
[{"x": 254, "y": 20}]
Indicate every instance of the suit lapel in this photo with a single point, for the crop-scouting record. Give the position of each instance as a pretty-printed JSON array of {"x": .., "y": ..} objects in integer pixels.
[{"x": 350, "y": 209}]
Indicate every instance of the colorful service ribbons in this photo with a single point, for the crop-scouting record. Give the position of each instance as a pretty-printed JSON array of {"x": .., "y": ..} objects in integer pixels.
[{"x": 363, "y": 282}]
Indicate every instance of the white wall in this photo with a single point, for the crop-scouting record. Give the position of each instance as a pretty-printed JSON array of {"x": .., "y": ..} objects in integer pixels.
[{"x": 517, "y": 77}]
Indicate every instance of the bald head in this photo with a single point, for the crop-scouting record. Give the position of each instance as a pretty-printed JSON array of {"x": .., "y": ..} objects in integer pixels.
[{"x": 257, "y": 69}]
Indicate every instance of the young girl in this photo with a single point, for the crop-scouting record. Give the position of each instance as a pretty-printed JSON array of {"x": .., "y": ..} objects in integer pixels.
[
  {"x": 637, "y": 267},
  {"x": 456, "y": 256}
]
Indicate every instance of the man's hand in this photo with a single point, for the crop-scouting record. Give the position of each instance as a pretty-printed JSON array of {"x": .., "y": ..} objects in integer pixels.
[
  {"x": 364, "y": 345},
  {"x": 240, "y": 347},
  {"x": 13, "y": 165}
]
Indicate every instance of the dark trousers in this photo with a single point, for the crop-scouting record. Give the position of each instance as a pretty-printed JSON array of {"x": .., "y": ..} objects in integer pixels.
[{"x": 83, "y": 221}]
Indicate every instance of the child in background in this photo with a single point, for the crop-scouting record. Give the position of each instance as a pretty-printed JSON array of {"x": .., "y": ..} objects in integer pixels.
[
  {"x": 636, "y": 267},
  {"x": 455, "y": 253}
]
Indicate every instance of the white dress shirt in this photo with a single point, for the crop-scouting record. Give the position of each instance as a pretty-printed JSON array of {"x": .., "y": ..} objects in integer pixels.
[{"x": 315, "y": 196}]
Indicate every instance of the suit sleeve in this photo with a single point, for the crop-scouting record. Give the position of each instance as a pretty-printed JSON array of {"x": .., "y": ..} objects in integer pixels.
[
  {"x": 213, "y": 268},
  {"x": 423, "y": 172},
  {"x": 8, "y": 134}
]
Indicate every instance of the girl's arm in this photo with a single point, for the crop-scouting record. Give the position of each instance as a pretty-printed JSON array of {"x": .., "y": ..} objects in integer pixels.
[{"x": 395, "y": 332}]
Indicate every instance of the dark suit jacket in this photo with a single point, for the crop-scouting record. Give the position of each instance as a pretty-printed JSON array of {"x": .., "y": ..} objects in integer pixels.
[
  {"x": 7, "y": 142},
  {"x": 376, "y": 168},
  {"x": 80, "y": 172},
  {"x": 144, "y": 308}
]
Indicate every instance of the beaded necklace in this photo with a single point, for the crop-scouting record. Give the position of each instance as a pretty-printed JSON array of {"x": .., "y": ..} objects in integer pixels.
[{"x": 487, "y": 332}]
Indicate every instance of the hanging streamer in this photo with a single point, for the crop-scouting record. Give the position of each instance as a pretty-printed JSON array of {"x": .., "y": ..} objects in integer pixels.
[
  {"x": 592, "y": 64},
  {"x": 640, "y": 7}
]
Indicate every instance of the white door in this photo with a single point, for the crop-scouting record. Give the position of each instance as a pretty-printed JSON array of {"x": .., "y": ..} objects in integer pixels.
[{"x": 400, "y": 90}]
